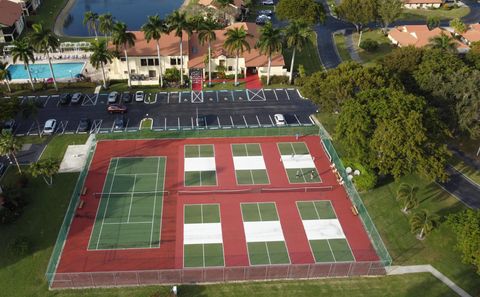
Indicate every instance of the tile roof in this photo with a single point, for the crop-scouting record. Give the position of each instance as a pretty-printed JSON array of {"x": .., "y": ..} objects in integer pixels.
[
  {"x": 169, "y": 45},
  {"x": 253, "y": 58},
  {"x": 417, "y": 35},
  {"x": 10, "y": 12},
  {"x": 473, "y": 33}
]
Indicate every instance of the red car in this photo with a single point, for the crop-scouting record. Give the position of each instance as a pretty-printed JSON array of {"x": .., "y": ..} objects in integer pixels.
[{"x": 117, "y": 108}]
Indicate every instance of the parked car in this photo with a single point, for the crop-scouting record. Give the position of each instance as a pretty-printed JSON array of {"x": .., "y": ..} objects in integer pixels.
[
  {"x": 49, "y": 127},
  {"x": 84, "y": 125},
  {"x": 262, "y": 19},
  {"x": 139, "y": 96},
  {"x": 119, "y": 123},
  {"x": 279, "y": 119},
  {"x": 65, "y": 98},
  {"x": 9, "y": 125},
  {"x": 112, "y": 97},
  {"x": 266, "y": 12},
  {"x": 117, "y": 108},
  {"x": 126, "y": 97},
  {"x": 77, "y": 98},
  {"x": 268, "y": 2}
]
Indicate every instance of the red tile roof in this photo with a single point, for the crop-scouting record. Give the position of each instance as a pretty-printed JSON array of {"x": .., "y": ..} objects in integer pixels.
[
  {"x": 473, "y": 33},
  {"x": 10, "y": 12},
  {"x": 417, "y": 35},
  {"x": 169, "y": 45}
]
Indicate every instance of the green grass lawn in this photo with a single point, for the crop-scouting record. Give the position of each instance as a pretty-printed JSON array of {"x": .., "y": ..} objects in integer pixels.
[
  {"x": 58, "y": 145},
  {"x": 146, "y": 124},
  {"x": 308, "y": 57},
  {"x": 339, "y": 40},
  {"x": 443, "y": 14},
  {"x": 384, "y": 47}
]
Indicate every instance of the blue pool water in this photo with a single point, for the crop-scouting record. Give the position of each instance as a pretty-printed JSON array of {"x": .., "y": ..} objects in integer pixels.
[{"x": 41, "y": 71}]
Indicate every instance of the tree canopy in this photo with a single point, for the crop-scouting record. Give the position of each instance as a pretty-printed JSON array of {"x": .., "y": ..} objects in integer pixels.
[
  {"x": 358, "y": 12},
  {"x": 308, "y": 11}
]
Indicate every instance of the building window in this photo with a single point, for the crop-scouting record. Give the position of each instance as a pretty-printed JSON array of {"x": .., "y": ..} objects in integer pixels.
[
  {"x": 143, "y": 62},
  {"x": 173, "y": 61},
  {"x": 150, "y": 62},
  {"x": 123, "y": 59},
  {"x": 230, "y": 68},
  {"x": 156, "y": 62}
]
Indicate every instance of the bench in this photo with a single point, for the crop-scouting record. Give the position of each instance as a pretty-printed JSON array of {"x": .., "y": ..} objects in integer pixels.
[
  {"x": 84, "y": 191},
  {"x": 354, "y": 210},
  {"x": 80, "y": 205}
]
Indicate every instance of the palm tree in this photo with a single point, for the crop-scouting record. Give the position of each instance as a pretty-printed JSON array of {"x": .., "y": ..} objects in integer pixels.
[
  {"x": 5, "y": 75},
  {"x": 121, "y": 37},
  {"x": 44, "y": 41},
  {"x": 178, "y": 22},
  {"x": 46, "y": 168},
  {"x": 90, "y": 19},
  {"x": 29, "y": 110},
  {"x": 269, "y": 43},
  {"x": 9, "y": 146},
  {"x": 423, "y": 222},
  {"x": 105, "y": 24},
  {"x": 206, "y": 34},
  {"x": 236, "y": 42},
  {"x": 444, "y": 42},
  {"x": 153, "y": 29},
  {"x": 297, "y": 35},
  {"x": 407, "y": 194},
  {"x": 101, "y": 55},
  {"x": 23, "y": 51}
]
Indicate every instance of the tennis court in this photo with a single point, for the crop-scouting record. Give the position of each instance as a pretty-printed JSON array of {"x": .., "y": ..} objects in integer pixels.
[
  {"x": 200, "y": 167},
  {"x": 298, "y": 163},
  {"x": 324, "y": 232},
  {"x": 130, "y": 210},
  {"x": 202, "y": 236},
  {"x": 249, "y": 164},
  {"x": 264, "y": 235}
]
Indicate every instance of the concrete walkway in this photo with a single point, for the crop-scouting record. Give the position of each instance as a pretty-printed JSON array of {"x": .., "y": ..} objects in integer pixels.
[
  {"x": 352, "y": 49},
  {"x": 395, "y": 270}
]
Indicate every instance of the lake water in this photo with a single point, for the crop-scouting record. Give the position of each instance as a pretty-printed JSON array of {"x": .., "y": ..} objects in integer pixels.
[{"x": 132, "y": 12}]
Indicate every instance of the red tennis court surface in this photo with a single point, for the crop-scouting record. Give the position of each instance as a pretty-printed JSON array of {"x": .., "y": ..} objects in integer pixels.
[{"x": 78, "y": 266}]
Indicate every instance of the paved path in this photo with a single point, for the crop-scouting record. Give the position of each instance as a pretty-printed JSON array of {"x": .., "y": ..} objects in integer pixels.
[
  {"x": 396, "y": 270},
  {"x": 351, "y": 47},
  {"x": 462, "y": 188},
  {"x": 474, "y": 163}
]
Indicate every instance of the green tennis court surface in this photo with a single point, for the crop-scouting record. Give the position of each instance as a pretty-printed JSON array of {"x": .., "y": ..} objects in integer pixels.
[
  {"x": 293, "y": 148},
  {"x": 298, "y": 175},
  {"x": 325, "y": 250},
  {"x": 130, "y": 210},
  {"x": 267, "y": 252},
  {"x": 203, "y": 245},
  {"x": 257, "y": 174},
  {"x": 200, "y": 176}
]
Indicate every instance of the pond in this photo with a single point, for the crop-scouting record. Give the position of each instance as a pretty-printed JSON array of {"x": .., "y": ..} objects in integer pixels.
[{"x": 132, "y": 12}]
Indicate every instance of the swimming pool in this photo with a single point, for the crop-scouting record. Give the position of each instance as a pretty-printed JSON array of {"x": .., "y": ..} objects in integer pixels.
[{"x": 41, "y": 71}]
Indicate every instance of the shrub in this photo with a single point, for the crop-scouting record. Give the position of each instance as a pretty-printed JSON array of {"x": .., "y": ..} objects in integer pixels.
[
  {"x": 232, "y": 76},
  {"x": 8, "y": 215},
  {"x": 20, "y": 246},
  {"x": 22, "y": 181},
  {"x": 172, "y": 74},
  {"x": 275, "y": 79},
  {"x": 369, "y": 45},
  {"x": 367, "y": 179}
]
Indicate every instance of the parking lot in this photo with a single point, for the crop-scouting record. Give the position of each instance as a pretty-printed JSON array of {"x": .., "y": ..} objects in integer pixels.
[{"x": 174, "y": 111}]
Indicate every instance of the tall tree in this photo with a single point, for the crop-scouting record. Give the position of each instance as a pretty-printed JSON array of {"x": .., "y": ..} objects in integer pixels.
[
  {"x": 125, "y": 39},
  {"x": 466, "y": 226},
  {"x": 297, "y": 35},
  {"x": 105, "y": 24},
  {"x": 270, "y": 43},
  {"x": 5, "y": 75},
  {"x": 308, "y": 11},
  {"x": 101, "y": 55},
  {"x": 90, "y": 19},
  {"x": 358, "y": 12},
  {"x": 237, "y": 43},
  {"x": 154, "y": 28},
  {"x": 44, "y": 41},
  {"x": 206, "y": 34},
  {"x": 389, "y": 11},
  {"x": 178, "y": 22},
  {"x": 23, "y": 51},
  {"x": 443, "y": 42},
  {"x": 9, "y": 146},
  {"x": 423, "y": 222},
  {"x": 459, "y": 26},
  {"x": 407, "y": 194},
  {"x": 45, "y": 168}
]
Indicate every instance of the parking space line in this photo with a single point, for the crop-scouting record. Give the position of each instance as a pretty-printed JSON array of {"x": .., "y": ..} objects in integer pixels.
[
  {"x": 63, "y": 126},
  {"x": 191, "y": 118},
  {"x": 264, "y": 97},
  {"x": 178, "y": 120},
  {"x": 46, "y": 101},
  {"x": 297, "y": 119},
  {"x": 288, "y": 96},
  {"x": 275, "y": 93},
  {"x": 231, "y": 119},
  {"x": 245, "y": 121},
  {"x": 271, "y": 120},
  {"x": 168, "y": 98},
  {"x": 206, "y": 124},
  {"x": 30, "y": 129},
  {"x": 219, "y": 125},
  {"x": 126, "y": 125},
  {"x": 217, "y": 95},
  {"x": 248, "y": 95},
  {"x": 165, "y": 124},
  {"x": 259, "y": 124},
  {"x": 233, "y": 97}
]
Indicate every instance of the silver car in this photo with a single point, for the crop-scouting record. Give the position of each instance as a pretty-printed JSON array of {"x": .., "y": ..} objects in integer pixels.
[{"x": 112, "y": 97}]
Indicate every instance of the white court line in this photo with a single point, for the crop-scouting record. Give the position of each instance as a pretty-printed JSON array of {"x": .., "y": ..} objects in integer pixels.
[
  {"x": 131, "y": 198},
  {"x": 106, "y": 205},
  {"x": 128, "y": 223},
  {"x": 154, "y": 204},
  {"x": 129, "y": 174}
]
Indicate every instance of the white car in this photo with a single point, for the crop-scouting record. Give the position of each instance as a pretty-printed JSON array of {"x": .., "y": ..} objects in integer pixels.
[
  {"x": 139, "y": 96},
  {"x": 267, "y": 2},
  {"x": 279, "y": 119},
  {"x": 112, "y": 97},
  {"x": 50, "y": 126}
]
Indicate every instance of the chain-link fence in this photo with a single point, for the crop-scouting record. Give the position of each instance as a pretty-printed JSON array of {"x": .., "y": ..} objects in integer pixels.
[{"x": 212, "y": 275}]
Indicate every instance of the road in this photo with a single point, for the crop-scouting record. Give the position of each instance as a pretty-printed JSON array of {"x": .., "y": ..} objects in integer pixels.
[{"x": 461, "y": 187}]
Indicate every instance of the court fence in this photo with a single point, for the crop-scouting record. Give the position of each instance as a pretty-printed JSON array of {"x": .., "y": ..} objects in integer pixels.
[
  {"x": 67, "y": 220},
  {"x": 214, "y": 275}
]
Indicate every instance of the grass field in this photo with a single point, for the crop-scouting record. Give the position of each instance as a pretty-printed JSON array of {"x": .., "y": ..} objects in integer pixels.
[
  {"x": 443, "y": 14},
  {"x": 384, "y": 46},
  {"x": 58, "y": 144},
  {"x": 308, "y": 57},
  {"x": 339, "y": 40}
]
